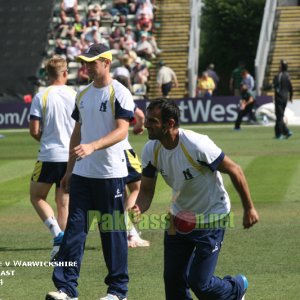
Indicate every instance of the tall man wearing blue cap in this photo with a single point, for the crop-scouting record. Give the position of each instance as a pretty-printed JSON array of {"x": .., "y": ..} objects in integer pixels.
[{"x": 95, "y": 177}]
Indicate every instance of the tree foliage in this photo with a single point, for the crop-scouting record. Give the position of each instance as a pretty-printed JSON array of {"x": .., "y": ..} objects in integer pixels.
[{"x": 229, "y": 33}]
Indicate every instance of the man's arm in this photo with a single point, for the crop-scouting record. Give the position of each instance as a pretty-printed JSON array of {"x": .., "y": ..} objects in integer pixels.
[
  {"x": 35, "y": 129},
  {"x": 239, "y": 181},
  {"x": 140, "y": 120},
  {"x": 145, "y": 195},
  {"x": 112, "y": 138},
  {"x": 74, "y": 141}
]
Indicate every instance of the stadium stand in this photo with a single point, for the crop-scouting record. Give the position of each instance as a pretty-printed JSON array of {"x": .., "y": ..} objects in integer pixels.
[
  {"x": 102, "y": 21},
  {"x": 23, "y": 39},
  {"x": 285, "y": 45},
  {"x": 172, "y": 36}
]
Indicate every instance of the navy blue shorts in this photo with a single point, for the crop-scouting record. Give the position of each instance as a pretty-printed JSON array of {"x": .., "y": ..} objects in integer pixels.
[
  {"x": 49, "y": 172},
  {"x": 133, "y": 165}
]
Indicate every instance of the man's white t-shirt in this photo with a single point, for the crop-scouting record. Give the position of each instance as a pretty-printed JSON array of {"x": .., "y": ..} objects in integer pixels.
[
  {"x": 53, "y": 107},
  {"x": 97, "y": 110},
  {"x": 190, "y": 170}
]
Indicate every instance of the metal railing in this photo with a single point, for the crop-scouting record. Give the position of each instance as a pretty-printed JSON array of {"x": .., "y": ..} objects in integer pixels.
[
  {"x": 194, "y": 46},
  {"x": 264, "y": 43}
]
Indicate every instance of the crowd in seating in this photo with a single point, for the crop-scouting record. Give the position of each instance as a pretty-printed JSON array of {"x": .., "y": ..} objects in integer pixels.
[{"x": 126, "y": 26}]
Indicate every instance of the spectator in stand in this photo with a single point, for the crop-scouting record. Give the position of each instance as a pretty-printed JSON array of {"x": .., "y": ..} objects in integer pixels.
[
  {"x": 151, "y": 39},
  {"x": 91, "y": 36},
  {"x": 140, "y": 72},
  {"x": 248, "y": 80},
  {"x": 129, "y": 31},
  {"x": 166, "y": 77},
  {"x": 120, "y": 11},
  {"x": 212, "y": 73},
  {"x": 116, "y": 38},
  {"x": 94, "y": 13},
  {"x": 60, "y": 48},
  {"x": 68, "y": 7},
  {"x": 206, "y": 85},
  {"x": 144, "y": 9},
  {"x": 144, "y": 48},
  {"x": 129, "y": 59},
  {"x": 78, "y": 29},
  {"x": 74, "y": 49},
  {"x": 120, "y": 7},
  {"x": 236, "y": 79},
  {"x": 128, "y": 43},
  {"x": 83, "y": 77},
  {"x": 143, "y": 23},
  {"x": 124, "y": 72}
]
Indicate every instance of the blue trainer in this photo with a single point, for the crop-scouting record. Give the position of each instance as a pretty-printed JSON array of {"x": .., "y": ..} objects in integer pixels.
[
  {"x": 289, "y": 134},
  {"x": 56, "y": 245},
  {"x": 58, "y": 239},
  {"x": 244, "y": 280}
]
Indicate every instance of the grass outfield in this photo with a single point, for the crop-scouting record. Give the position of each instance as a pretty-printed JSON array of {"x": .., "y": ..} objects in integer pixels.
[{"x": 268, "y": 253}]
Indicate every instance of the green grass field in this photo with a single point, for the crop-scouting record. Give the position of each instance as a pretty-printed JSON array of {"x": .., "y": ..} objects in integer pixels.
[{"x": 268, "y": 253}]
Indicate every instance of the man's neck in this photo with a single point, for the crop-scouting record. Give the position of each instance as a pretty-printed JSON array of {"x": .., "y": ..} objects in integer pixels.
[
  {"x": 57, "y": 82},
  {"x": 102, "y": 82},
  {"x": 171, "y": 140}
]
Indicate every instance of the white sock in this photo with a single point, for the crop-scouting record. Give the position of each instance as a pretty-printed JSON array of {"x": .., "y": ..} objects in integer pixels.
[
  {"x": 132, "y": 231},
  {"x": 53, "y": 226}
]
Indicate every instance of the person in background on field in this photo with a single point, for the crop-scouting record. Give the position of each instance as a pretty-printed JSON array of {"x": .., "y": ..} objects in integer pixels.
[
  {"x": 247, "y": 105},
  {"x": 166, "y": 79},
  {"x": 212, "y": 73},
  {"x": 206, "y": 85},
  {"x": 248, "y": 80},
  {"x": 191, "y": 164},
  {"x": 236, "y": 79},
  {"x": 95, "y": 176},
  {"x": 283, "y": 93},
  {"x": 51, "y": 125}
]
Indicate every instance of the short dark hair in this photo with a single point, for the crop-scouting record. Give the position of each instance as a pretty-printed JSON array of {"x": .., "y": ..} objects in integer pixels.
[
  {"x": 283, "y": 65},
  {"x": 169, "y": 110}
]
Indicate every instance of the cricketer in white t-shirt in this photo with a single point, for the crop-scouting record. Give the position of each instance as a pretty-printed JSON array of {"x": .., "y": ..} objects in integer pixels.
[
  {"x": 54, "y": 107},
  {"x": 190, "y": 170},
  {"x": 96, "y": 110}
]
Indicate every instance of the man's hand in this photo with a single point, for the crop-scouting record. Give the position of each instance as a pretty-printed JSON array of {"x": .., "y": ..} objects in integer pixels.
[
  {"x": 137, "y": 129},
  {"x": 251, "y": 217},
  {"x": 65, "y": 182},
  {"x": 82, "y": 150},
  {"x": 135, "y": 214},
  {"x": 242, "y": 105}
]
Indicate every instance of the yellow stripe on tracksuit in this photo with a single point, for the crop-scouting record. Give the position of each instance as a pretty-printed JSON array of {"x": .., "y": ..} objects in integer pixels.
[
  {"x": 111, "y": 97},
  {"x": 44, "y": 101},
  {"x": 134, "y": 161},
  {"x": 185, "y": 152},
  {"x": 37, "y": 171}
]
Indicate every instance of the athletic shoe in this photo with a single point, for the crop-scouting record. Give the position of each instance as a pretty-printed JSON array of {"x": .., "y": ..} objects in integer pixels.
[
  {"x": 289, "y": 134},
  {"x": 245, "y": 282},
  {"x": 112, "y": 297},
  {"x": 56, "y": 245},
  {"x": 279, "y": 137},
  {"x": 136, "y": 241},
  {"x": 59, "y": 295}
]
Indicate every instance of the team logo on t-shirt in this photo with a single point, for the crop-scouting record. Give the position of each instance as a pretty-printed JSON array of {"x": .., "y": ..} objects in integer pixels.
[
  {"x": 103, "y": 106},
  {"x": 187, "y": 174}
]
